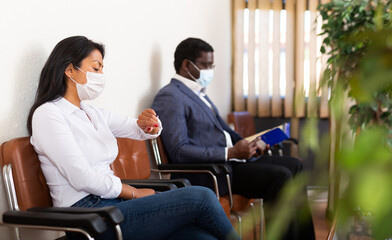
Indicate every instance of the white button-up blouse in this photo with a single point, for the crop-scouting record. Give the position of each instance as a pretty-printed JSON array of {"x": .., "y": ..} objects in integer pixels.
[{"x": 76, "y": 147}]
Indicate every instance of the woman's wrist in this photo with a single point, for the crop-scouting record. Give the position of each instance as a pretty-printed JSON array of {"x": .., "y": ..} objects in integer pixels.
[
  {"x": 128, "y": 192},
  {"x": 155, "y": 130},
  {"x": 132, "y": 191}
]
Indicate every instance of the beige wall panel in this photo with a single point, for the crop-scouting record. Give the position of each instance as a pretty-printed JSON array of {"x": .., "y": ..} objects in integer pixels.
[
  {"x": 251, "y": 101},
  {"x": 276, "y": 98},
  {"x": 299, "y": 60},
  {"x": 264, "y": 99},
  {"x": 239, "y": 103},
  {"x": 312, "y": 99},
  {"x": 288, "y": 101}
]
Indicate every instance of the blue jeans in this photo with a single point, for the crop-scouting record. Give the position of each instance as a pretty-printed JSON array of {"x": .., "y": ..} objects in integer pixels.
[{"x": 185, "y": 213}]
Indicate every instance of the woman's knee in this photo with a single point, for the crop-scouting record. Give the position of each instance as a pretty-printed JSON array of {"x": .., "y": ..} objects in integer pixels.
[
  {"x": 199, "y": 194},
  {"x": 202, "y": 192}
]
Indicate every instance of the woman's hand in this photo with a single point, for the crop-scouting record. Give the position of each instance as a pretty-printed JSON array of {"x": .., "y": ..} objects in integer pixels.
[
  {"x": 143, "y": 192},
  {"x": 129, "y": 192},
  {"x": 148, "y": 121}
]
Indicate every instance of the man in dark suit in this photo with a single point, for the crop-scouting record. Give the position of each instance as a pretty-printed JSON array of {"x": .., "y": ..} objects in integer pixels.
[{"x": 194, "y": 132}]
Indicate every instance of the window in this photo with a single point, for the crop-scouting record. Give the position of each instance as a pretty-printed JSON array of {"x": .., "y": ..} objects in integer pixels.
[{"x": 277, "y": 62}]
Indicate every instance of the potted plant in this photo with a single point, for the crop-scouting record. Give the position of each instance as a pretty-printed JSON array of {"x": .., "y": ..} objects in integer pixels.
[{"x": 358, "y": 40}]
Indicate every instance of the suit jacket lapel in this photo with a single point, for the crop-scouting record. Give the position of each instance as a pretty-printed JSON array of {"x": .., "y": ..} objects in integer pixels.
[
  {"x": 212, "y": 105},
  {"x": 197, "y": 99},
  {"x": 220, "y": 120}
]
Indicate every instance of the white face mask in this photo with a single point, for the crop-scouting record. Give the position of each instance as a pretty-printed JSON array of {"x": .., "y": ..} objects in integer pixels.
[
  {"x": 206, "y": 76},
  {"x": 92, "y": 88}
]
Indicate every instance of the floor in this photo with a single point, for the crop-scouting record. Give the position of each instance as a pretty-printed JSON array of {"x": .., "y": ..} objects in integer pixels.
[{"x": 318, "y": 205}]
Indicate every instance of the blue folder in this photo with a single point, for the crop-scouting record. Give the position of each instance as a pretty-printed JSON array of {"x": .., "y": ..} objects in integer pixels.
[{"x": 274, "y": 136}]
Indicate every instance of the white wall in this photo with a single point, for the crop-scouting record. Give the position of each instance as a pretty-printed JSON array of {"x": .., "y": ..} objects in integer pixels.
[{"x": 140, "y": 38}]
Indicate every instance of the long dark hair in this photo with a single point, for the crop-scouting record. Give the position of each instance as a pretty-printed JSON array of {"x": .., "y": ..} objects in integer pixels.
[{"x": 52, "y": 84}]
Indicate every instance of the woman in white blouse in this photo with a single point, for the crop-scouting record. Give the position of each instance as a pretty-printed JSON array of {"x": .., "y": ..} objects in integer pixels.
[{"x": 76, "y": 143}]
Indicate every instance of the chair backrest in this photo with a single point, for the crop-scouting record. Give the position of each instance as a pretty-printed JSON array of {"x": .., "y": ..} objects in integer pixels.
[
  {"x": 30, "y": 184},
  {"x": 243, "y": 123},
  {"x": 132, "y": 161},
  {"x": 31, "y": 189}
]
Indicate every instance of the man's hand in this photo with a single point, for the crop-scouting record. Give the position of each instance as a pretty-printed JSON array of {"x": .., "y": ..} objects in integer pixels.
[
  {"x": 148, "y": 121},
  {"x": 262, "y": 148},
  {"x": 243, "y": 149}
]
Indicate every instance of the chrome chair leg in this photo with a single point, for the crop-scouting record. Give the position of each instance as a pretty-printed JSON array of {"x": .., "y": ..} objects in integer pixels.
[
  {"x": 258, "y": 223},
  {"x": 254, "y": 221},
  {"x": 262, "y": 220},
  {"x": 11, "y": 193},
  {"x": 118, "y": 232},
  {"x": 239, "y": 222}
]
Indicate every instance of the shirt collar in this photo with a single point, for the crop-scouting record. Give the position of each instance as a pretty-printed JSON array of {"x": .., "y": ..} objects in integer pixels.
[
  {"x": 84, "y": 106},
  {"x": 66, "y": 105},
  {"x": 192, "y": 85}
]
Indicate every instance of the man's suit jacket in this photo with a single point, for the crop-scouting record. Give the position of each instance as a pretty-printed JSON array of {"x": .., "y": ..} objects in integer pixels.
[{"x": 192, "y": 132}]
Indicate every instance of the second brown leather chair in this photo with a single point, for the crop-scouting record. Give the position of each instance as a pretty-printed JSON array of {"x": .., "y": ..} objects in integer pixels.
[
  {"x": 243, "y": 123},
  {"x": 233, "y": 204},
  {"x": 26, "y": 190}
]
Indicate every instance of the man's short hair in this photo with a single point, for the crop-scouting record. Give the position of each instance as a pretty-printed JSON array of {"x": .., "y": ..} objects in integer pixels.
[{"x": 190, "y": 49}]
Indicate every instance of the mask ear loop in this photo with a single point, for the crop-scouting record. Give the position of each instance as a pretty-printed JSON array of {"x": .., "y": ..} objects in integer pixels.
[
  {"x": 194, "y": 65},
  {"x": 81, "y": 70},
  {"x": 191, "y": 75},
  {"x": 73, "y": 79}
]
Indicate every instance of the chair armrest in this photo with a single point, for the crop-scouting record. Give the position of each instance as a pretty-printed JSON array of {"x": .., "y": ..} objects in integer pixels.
[
  {"x": 92, "y": 223},
  {"x": 213, "y": 168},
  {"x": 284, "y": 146},
  {"x": 225, "y": 168},
  {"x": 180, "y": 182},
  {"x": 157, "y": 185},
  {"x": 112, "y": 214},
  {"x": 292, "y": 140}
]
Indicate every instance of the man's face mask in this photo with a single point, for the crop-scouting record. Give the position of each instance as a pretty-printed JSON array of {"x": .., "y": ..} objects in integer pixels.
[
  {"x": 92, "y": 88},
  {"x": 206, "y": 76}
]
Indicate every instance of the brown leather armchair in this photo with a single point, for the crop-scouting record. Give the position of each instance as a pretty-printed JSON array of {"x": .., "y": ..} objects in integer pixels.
[
  {"x": 243, "y": 123},
  {"x": 29, "y": 197},
  {"x": 26, "y": 190},
  {"x": 132, "y": 166}
]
